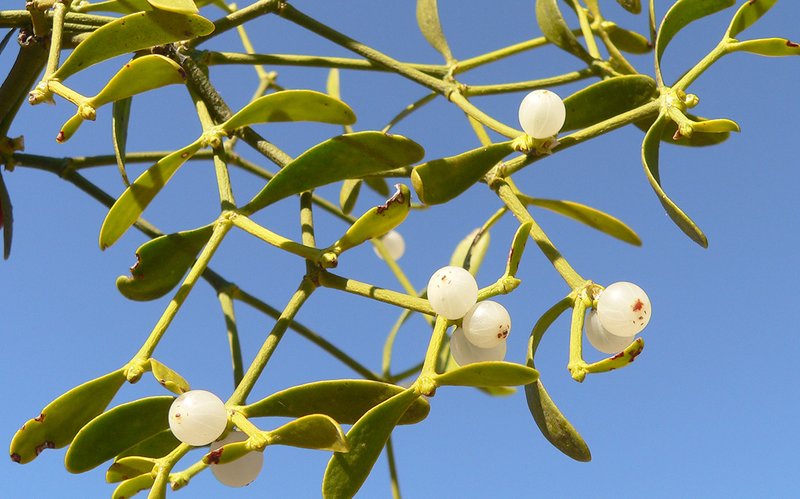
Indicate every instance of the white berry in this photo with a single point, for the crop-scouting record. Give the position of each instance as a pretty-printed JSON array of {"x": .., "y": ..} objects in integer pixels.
[
  {"x": 465, "y": 352},
  {"x": 487, "y": 324},
  {"x": 623, "y": 309},
  {"x": 601, "y": 339},
  {"x": 542, "y": 114},
  {"x": 394, "y": 243},
  {"x": 197, "y": 417},
  {"x": 452, "y": 291},
  {"x": 242, "y": 471}
]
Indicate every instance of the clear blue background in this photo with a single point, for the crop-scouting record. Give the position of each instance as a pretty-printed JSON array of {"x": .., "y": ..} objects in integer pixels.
[{"x": 708, "y": 409}]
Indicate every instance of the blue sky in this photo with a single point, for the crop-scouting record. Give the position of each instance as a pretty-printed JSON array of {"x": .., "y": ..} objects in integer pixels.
[{"x": 708, "y": 409}]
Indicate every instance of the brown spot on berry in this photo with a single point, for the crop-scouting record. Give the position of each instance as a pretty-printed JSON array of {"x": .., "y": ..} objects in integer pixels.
[
  {"x": 638, "y": 306},
  {"x": 16, "y": 457}
]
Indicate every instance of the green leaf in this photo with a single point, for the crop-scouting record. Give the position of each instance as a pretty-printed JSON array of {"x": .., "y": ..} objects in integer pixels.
[
  {"x": 292, "y": 105},
  {"x": 129, "y": 467},
  {"x": 130, "y": 33},
  {"x": 314, "y": 431},
  {"x": 377, "y": 221},
  {"x": 346, "y": 401},
  {"x": 120, "y": 118},
  {"x": 130, "y": 488},
  {"x": 162, "y": 262},
  {"x": 769, "y": 47},
  {"x": 587, "y": 215},
  {"x": 626, "y": 40},
  {"x": 130, "y": 205},
  {"x": 554, "y": 426},
  {"x": 555, "y": 29},
  {"x": 348, "y": 195},
  {"x": 228, "y": 453},
  {"x": 159, "y": 445},
  {"x": 650, "y": 150},
  {"x": 431, "y": 27},
  {"x": 168, "y": 378},
  {"x": 138, "y": 76},
  {"x": 116, "y": 430},
  {"x": 60, "y": 421},
  {"x": 632, "y": 6},
  {"x": 683, "y": 13},
  {"x": 346, "y": 472},
  {"x": 492, "y": 373},
  {"x": 750, "y": 12},
  {"x": 352, "y": 155},
  {"x": 715, "y": 126},
  {"x": 177, "y": 6},
  {"x": 469, "y": 253},
  {"x": 441, "y": 180},
  {"x": 518, "y": 248},
  {"x": 69, "y": 128},
  {"x": 118, "y": 6},
  {"x": 6, "y": 218},
  {"x": 606, "y": 99},
  {"x": 698, "y": 139}
]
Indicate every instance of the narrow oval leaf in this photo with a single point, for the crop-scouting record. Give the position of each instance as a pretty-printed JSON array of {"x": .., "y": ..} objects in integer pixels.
[
  {"x": 69, "y": 128},
  {"x": 595, "y": 219},
  {"x": 650, "y": 150},
  {"x": 750, "y": 12},
  {"x": 346, "y": 401},
  {"x": 159, "y": 445},
  {"x": 130, "y": 33},
  {"x": 140, "y": 75},
  {"x": 177, "y": 6},
  {"x": 554, "y": 426},
  {"x": 130, "y": 205},
  {"x": 346, "y": 472},
  {"x": 315, "y": 431},
  {"x": 348, "y": 195},
  {"x": 768, "y": 47},
  {"x": 377, "y": 221},
  {"x": 130, "y": 488},
  {"x": 60, "y": 421},
  {"x": 469, "y": 253},
  {"x": 431, "y": 27},
  {"x": 715, "y": 126},
  {"x": 555, "y": 29},
  {"x": 6, "y": 218},
  {"x": 378, "y": 184},
  {"x": 120, "y": 117},
  {"x": 632, "y": 6},
  {"x": 494, "y": 373},
  {"x": 626, "y": 40},
  {"x": 228, "y": 453},
  {"x": 162, "y": 262},
  {"x": 518, "y": 248},
  {"x": 118, "y": 6},
  {"x": 129, "y": 467},
  {"x": 168, "y": 378},
  {"x": 352, "y": 155},
  {"x": 698, "y": 139},
  {"x": 606, "y": 99},
  {"x": 441, "y": 180},
  {"x": 116, "y": 430},
  {"x": 292, "y": 105}
]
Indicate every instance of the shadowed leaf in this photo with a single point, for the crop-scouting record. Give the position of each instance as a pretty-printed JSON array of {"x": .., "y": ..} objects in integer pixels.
[
  {"x": 6, "y": 218},
  {"x": 606, "y": 99},
  {"x": 632, "y": 6},
  {"x": 626, "y": 40},
  {"x": 159, "y": 445},
  {"x": 314, "y": 431},
  {"x": 131, "y": 487},
  {"x": 431, "y": 27},
  {"x": 555, "y": 29},
  {"x": 129, "y": 467},
  {"x": 120, "y": 117},
  {"x": 554, "y": 425},
  {"x": 469, "y": 253},
  {"x": 348, "y": 195}
]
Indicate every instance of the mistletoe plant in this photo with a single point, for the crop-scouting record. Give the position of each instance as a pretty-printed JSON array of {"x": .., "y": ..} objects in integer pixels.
[{"x": 169, "y": 42}]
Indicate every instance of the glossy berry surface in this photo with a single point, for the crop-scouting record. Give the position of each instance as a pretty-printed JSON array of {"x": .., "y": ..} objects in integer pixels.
[
  {"x": 487, "y": 324},
  {"x": 197, "y": 417},
  {"x": 542, "y": 114},
  {"x": 624, "y": 309},
  {"x": 452, "y": 291},
  {"x": 242, "y": 471},
  {"x": 394, "y": 243},
  {"x": 601, "y": 339},
  {"x": 464, "y": 352}
]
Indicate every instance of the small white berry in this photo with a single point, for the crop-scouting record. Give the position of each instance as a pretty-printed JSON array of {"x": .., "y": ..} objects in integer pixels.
[
  {"x": 394, "y": 243},
  {"x": 542, "y": 114},
  {"x": 601, "y": 339},
  {"x": 242, "y": 471},
  {"x": 623, "y": 309},
  {"x": 197, "y": 417},
  {"x": 464, "y": 352},
  {"x": 487, "y": 324},
  {"x": 452, "y": 291}
]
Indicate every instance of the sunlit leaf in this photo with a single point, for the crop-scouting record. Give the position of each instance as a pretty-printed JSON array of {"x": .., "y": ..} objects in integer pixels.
[
  {"x": 606, "y": 99},
  {"x": 750, "y": 12},
  {"x": 140, "y": 75},
  {"x": 314, "y": 431},
  {"x": 116, "y": 430},
  {"x": 471, "y": 250},
  {"x": 555, "y": 29},
  {"x": 168, "y": 378},
  {"x": 431, "y": 27},
  {"x": 162, "y": 262},
  {"x": 177, "y": 6},
  {"x": 698, "y": 139},
  {"x": 769, "y": 47},
  {"x": 61, "y": 420},
  {"x": 292, "y": 105},
  {"x": 159, "y": 445},
  {"x": 131, "y": 487},
  {"x": 492, "y": 373},
  {"x": 128, "y": 467},
  {"x": 377, "y": 221},
  {"x": 348, "y": 195}
]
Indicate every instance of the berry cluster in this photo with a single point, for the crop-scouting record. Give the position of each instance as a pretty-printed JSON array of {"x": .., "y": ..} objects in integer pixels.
[{"x": 623, "y": 310}]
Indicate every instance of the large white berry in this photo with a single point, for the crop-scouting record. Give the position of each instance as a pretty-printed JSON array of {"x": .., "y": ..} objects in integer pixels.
[
  {"x": 394, "y": 243},
  {"x": 242, "y": 471},
  {"x": 601, "y": 339},
  {"x": 197, "y": 417},
  {"x": 542, "y": 114},
  {"x": 452, "y": 291},
  {"x": 465, "y": 352},
  {"x": 487, "y": 324},
  {"x": 623, "y": 309}
]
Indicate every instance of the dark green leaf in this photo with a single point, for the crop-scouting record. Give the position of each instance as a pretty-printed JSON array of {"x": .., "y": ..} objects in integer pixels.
[
  {"x": 61, "y": 420},
  {"x": 6, "y": 218},
  {"x": 162, "y": 262},
  {"x": 353, "y": 155},
  {"x": 431, "y": 27},
  {"x": 750, "y": 12},
  {"x": 606, "y": 99},
  {"x": 346, "y": 401},
  {"x": 378, "y": 184},
  {"x": 443, "y": 179},
  {"x": 632, "y": 6},
  {"x": 348, "y": 195},
  {"x": 555, "y": 29},
  {"x": 346, "y": 472},
  {"x": 595, "y": 219},
  {"x": 769, "y": 47},
  {"x": 554, "y": 426},
  {"x": 116, "y": 430},
  {"x": 626, "y": 40},
  {"x": 292, "y": 105},
  {"x": 159, "y": 445},
  {"x": 488, "y": 374},
  {"x": 120, "y": 117},
  {"x": 315, "y": 431}
]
